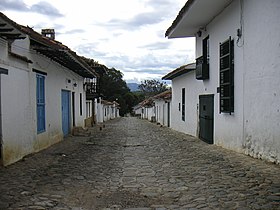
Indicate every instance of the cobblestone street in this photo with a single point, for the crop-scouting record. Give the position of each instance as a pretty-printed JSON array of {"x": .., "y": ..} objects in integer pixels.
[{"x": 134, "y": 164}]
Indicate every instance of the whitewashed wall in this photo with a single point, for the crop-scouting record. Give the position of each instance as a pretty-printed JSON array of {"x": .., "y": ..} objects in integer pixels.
[
  {"x": 262, "y": 79},
  {"x": 138, "y": 111},
  {"x": 227, "y": 128},
  {"x": 161, "y": 107},
  {"x": 18, "y": 119},
  {"x": 18, "y": 90},
  {"x": 193, "y": 88},
  {"x": 253, "y": 128},
  {"x": 149, "y": 112},
  {"x": 99, "y": 111},
  {"x": 105, "y": 113}
]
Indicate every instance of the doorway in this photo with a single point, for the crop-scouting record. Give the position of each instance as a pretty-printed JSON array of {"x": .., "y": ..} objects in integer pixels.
[
  {"x": 73, "y": 109},
  {"x": 168, "y": 114},
  {"x": 206, "y": 118},
  {"x": 65, "y": 109}
]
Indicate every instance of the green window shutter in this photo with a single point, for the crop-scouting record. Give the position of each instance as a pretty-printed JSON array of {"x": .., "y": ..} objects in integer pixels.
[{"x": 227, "y": 76}]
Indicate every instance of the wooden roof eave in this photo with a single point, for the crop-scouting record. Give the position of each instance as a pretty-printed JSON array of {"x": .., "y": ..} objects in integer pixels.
[
  {"x": 66, "y": 59},
  {"x": 8, "y": 31}
]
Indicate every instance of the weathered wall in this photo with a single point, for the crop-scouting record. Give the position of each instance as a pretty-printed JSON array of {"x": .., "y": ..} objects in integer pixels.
[
  {"x": 262, "y": 79},
  {"x": 98, "y": 110},
  {"x": 228, "y": 129},
  {"x": 138, "y": 111},
  {"x": 19, "y": 102},
  {"x": 193, "y": 88},
  {"x": 149, "y": 112},
  {"x": 159, "y": 106},
  {"x": 162, "y": 113},
  {"x": 253, "y": 128},
  {"x": 17, "y": 109}
]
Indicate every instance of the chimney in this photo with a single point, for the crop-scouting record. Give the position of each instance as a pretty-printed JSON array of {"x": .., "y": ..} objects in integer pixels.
[{"x": 48, "y": 33}]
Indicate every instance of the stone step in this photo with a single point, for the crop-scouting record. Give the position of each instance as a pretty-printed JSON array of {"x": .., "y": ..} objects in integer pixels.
[{"x": 80, "y": 131}]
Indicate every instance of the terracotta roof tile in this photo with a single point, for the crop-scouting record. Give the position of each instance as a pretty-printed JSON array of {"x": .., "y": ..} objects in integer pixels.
[
  {"x": 53, "y": 49},
  {"x": 166, "y": 95}
]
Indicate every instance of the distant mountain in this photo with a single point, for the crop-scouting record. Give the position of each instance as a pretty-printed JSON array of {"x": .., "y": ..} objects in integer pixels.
[{"x": 133, "y": 86}]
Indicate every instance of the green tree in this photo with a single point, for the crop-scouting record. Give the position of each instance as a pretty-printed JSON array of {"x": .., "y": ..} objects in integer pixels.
[
  {"x": 152, "y": 87},
  {"x": 114, "y": 88}
]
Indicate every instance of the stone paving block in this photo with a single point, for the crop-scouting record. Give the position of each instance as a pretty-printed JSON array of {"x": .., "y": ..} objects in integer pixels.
[{"x": 135, "y": 165}]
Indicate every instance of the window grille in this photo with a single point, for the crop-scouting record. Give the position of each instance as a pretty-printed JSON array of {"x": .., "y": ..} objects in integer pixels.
[{"x": 227, "y": 76}]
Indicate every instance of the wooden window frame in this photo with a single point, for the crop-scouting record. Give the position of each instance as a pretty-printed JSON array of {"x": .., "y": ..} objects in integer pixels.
[
  {"x": 183, "y": 104},
  {"x": 202, "y": 62},
  {"x": 227, "y": 76},
  {"x": 40, "y": 103}
]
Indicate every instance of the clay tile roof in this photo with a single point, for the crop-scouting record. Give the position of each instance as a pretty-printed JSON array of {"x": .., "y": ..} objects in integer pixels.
[
  {"x": 179, "y": 71},
  {"x": 105, "y": 102},
  {"x": 147, "y": 102},
  {"x": 166, "y": 95},
  {"x": 51, "y": 48}
]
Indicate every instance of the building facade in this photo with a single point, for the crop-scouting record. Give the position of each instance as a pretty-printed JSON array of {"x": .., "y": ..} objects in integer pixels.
[
  {"x": 41, "y": 89},
  {"x": 237, "y": 69}
]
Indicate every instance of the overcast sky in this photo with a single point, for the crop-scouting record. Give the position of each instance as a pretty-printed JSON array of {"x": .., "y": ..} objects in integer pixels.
[{"x": 125, "y": 34}]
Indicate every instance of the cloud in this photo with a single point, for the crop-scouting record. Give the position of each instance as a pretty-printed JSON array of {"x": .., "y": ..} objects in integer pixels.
[
  {"x": 157, "y": 46},
  {"x": 136, "y": 22},
  {"x": 16, "y": 5},
  {"x": 148, "y": 64},
  {"x": 147, "y": 18},
  {"x": 156, "y": 13},
  {"x": 90, "y": 50},
  {"x": 45, "y": 8},
  {"x": 74, "y": 31},
  {"x": 42, "y": 7}
]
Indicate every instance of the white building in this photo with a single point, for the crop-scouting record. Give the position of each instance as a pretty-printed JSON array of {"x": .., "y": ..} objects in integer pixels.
[
  {"x": 106, "y": 110},
  {"x": 237, "y": 66},
  {"x": 184, "y": 103},
  {"x": 163, "y": 108},
  {"x": 42, "y": 94},
  {"x": 137, "y": 110},
  {"x": 148, "y": 109}
]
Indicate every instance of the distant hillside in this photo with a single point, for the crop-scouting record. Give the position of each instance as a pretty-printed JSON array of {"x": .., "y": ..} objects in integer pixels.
[{"x": 133, "y": 86}]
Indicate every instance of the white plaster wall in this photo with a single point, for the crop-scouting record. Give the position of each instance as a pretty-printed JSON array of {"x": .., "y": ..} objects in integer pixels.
[
  {"x": 165, "y": 114},
  {"x": 19, "y": 102},
  {"x": 262, "y": 79},
  {"x": 18, "y": 119},
  {"x": 148, "y": 113},
  {"x": 253, "y": 128},
  {"x": 138, "y": 111},
  {"x": 56, "y": 81},
  {"x": 159, "y": 114},
  {"x": 228, "y": 129},
  {"x": 118, "y": 112},
  {"x": 107, "y": 112},
  {"x": 89, "y": 108},
  {"x": 17, "y": 115},
  {"x": 112, "y": 112},
  {"x": 162, "y": 113},
  {"x": 99, "y": 112},
  {"x": 145, "y": 113},
  {"x": 193, "y": 88}
]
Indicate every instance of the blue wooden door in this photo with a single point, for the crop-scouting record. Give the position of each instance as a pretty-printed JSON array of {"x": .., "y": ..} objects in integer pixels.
[{"x": 65, "y": 109}]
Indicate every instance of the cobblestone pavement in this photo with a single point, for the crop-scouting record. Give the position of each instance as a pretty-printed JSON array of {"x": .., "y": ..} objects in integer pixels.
[{"x": 136, "y": 165}]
